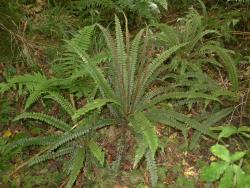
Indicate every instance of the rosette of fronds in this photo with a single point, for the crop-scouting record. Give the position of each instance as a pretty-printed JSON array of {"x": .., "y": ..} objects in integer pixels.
[
  {"x": 201, "y": 52},
  {"x": 132, "y": 77}
]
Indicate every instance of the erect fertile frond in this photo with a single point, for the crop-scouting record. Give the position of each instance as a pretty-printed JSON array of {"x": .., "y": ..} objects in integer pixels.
[
  {"x": 133, "y": 62},
  {"x": 122, "y": 59},
  {"x": 94, "y": 72}
]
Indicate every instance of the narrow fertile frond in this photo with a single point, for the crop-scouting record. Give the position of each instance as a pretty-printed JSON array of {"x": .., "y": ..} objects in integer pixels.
[
  {"x": 115, "y": 64},
  {"x": 217, "y": 116},
  {"x": 133, "y": 62},
  {"x": 44, "y": 118},
  {"x": 122, "y": 59}
]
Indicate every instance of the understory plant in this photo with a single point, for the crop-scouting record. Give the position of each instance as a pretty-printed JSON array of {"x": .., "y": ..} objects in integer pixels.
[
  {"x": 201, "y": 53},
  {"x": 132, "y": 76},
  {"x": 74, "y": 138},
  {"x": 228, "y": 170}
]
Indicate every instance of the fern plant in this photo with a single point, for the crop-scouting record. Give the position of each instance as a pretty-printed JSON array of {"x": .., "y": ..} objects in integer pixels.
[
  {"x": 141, "y": 10},
  {"x": 199, "y": 53},
  {"x": 74, "y": 138},
  {"x": 132, "y": 78},
  {"x": 35, "y": 84}
]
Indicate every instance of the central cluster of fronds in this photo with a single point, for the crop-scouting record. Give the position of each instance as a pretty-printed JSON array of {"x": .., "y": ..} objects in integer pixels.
[{"x": 132, "y": 79}]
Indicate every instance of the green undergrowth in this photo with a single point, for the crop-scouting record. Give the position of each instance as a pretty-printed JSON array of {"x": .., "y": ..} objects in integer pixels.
[{"x": 124, "y": 93}]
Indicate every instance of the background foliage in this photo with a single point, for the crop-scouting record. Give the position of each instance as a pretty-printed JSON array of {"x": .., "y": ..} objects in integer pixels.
[{"x": 124, "y": 93}]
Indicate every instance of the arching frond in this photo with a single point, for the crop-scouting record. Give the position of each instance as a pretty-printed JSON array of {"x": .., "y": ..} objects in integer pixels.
[
  {"x": 62, "y": 101},
  {"x": 44, "y": 118},
  {"x": 78, "y": 162},
  {"x": 147, "y": 129},
  {"x": 51, "y": 155}
]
